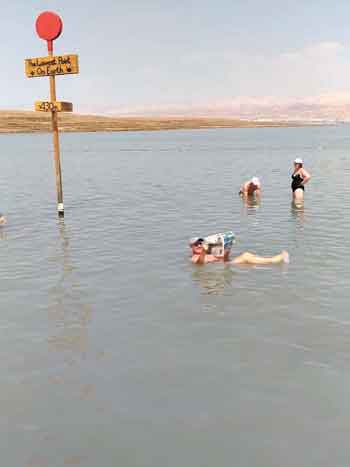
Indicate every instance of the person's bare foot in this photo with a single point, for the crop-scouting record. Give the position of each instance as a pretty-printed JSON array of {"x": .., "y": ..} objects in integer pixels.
[{"x": 285, "y": 256}]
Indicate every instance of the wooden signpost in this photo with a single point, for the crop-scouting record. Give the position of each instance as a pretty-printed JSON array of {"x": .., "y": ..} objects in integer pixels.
[
  {"x": 45, "y": 106},
  {"x": 49, "y": 27},
  {"x": 49, "y": 66}
]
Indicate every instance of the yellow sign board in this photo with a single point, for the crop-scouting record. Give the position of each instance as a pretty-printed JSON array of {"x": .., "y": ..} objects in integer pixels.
[
  {"x": 51, "y": 65},
  {"x": 45, "y": 106}
]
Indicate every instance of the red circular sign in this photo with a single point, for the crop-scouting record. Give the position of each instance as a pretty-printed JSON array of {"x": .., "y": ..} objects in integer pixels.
[{"x": 48, "y": 25}]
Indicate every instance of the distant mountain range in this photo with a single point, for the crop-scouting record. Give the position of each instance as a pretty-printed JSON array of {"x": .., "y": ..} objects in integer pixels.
[{"x": 326, "y": 108}]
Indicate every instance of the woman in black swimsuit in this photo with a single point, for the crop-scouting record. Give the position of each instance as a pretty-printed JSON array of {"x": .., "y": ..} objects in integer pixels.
[{"x": 299, "y": 178}]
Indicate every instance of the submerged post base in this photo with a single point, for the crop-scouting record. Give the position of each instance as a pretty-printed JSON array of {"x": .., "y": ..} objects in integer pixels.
[{"x": 60, "y": 209}]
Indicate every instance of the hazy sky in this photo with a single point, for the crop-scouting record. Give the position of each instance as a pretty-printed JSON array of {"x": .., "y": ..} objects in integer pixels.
[{"x": 158, "y": 53}]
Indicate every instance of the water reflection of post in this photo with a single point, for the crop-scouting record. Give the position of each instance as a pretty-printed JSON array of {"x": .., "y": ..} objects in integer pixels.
[{"x": 66, "y": 308}]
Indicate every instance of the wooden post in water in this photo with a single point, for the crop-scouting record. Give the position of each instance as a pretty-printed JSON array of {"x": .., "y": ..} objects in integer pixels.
[
  {"x": 56, "y": 141},
  {"x": 49, "y": 27}
]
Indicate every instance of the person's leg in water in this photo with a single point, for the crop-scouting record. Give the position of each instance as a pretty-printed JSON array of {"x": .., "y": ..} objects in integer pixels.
[
  {"x": 298, "y": 195},
  {"x": 249, "y": 258}
]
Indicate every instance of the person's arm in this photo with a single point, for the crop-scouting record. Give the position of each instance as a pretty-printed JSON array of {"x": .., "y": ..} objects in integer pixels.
[
  {"x": 244, "y": 189},
  {"x": 306, "y": 176},
  {"x": 226, "y": 255}
]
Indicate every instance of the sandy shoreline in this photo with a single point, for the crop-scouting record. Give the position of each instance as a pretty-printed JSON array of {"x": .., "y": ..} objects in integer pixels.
[{"x": 39, "y": 122}]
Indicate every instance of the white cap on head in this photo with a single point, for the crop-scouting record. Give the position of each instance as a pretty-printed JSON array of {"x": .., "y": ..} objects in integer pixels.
[
  {"x": 255, "y": 181},
  {"x": 298, "y": 161},
  {"x": 194, "y": 240}
]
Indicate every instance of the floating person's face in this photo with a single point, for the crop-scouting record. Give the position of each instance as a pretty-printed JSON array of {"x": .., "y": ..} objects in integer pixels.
[{"x": 197, "y": 248}]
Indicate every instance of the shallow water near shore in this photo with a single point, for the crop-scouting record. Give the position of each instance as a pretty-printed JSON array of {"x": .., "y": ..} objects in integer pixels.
[{"x": 117, "y": 351}]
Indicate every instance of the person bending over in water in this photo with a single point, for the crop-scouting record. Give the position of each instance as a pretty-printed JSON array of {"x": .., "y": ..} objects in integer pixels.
[
  {"x": 2, "y": 219},
  {"x": 299, "y": 178},
  {"x": 200, "y": 255},
  {"x": 251, "y": 187}
]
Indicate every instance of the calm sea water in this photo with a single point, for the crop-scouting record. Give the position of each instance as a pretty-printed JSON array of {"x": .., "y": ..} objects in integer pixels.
[{"x": 116, "y": 351}]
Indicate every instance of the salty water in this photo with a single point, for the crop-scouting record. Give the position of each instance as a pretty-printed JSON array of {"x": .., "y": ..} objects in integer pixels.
[{"x": 116, "y": 351}]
